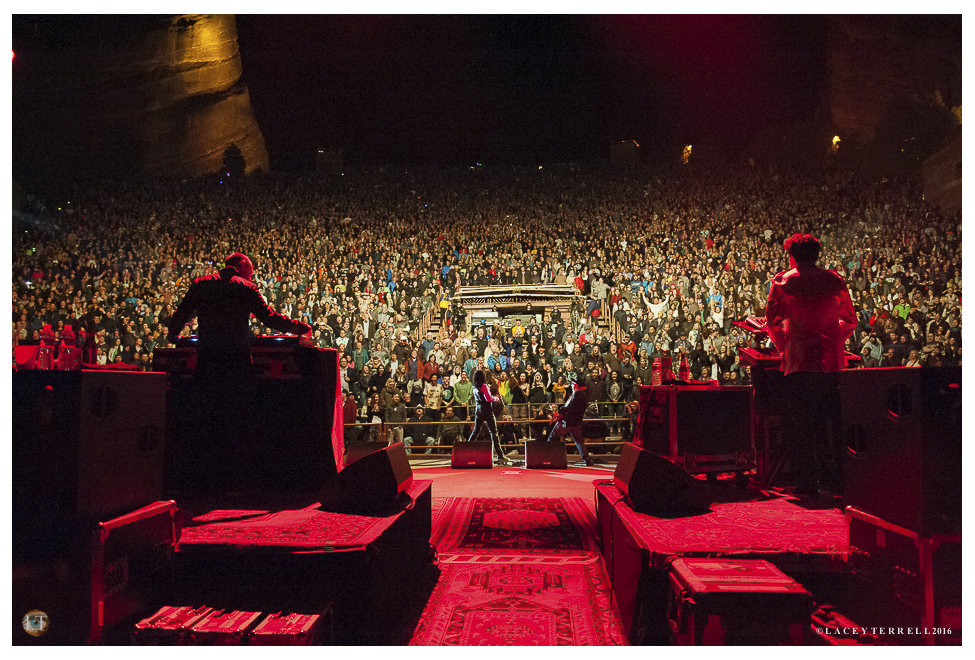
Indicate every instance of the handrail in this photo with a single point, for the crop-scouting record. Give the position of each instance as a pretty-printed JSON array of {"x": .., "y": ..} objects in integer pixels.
[{"x": 386, "y": 427}]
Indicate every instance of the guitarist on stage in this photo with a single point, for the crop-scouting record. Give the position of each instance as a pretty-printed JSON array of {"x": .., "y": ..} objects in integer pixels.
[
  {"x": 568, "y": 420},
  {"x": 484, "y": 414}
]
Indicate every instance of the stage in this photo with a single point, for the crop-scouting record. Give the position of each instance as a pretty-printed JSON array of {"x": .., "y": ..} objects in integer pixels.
[{"x": 500, "y": 556}]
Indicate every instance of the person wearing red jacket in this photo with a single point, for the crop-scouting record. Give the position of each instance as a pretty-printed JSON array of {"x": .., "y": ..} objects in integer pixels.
[
  {"x": 809, "y": 316},
  {"x": 216, "y": 455}
]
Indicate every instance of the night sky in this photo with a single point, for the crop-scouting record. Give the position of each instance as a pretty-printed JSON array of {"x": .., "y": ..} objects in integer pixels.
[{"x": 454, "y": 90}]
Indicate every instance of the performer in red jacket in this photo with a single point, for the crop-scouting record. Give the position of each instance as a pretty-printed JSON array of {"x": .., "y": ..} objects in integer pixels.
[
  {"x": 224, "y": 303},
  {"x": 217, "y": 453},
  {"x": 809, "y": 316}
]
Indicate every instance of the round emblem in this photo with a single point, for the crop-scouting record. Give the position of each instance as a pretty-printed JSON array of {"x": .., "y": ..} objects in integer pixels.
[{"x": 36, "y": 623}]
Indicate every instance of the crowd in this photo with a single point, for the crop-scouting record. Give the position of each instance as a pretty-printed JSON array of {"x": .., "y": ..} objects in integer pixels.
[{"x": 671, "y": 258}]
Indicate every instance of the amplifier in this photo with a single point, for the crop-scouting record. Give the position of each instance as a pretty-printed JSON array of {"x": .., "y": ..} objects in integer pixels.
[
  {"x": 541, "y": 454},
  {"x": 87, "y": 446},
  {"x": 903, "y": 433},
  {"x": 700, "y": 428}
]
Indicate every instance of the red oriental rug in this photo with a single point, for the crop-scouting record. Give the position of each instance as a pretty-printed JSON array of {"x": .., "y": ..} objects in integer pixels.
[
  {"x": 549, "y": 525},
  {"x": 296, "y": 530},
  {"x": 525, "y": 600},
  {"x": 284, "y": 531},
  {"x": 762, "y": 529}
]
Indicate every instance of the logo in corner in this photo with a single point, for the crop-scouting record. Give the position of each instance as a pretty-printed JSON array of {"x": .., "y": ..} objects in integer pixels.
[{"x": 36, "y": 623}]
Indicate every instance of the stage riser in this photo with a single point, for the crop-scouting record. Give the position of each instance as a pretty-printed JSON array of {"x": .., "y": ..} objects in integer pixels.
[
  {"x": 638, "y": 550},
  {"x": 370, "y": 587}
]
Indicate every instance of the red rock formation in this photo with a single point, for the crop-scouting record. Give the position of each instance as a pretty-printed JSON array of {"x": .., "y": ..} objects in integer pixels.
[
  {"x": 131, "y": 96},
  {"x": 877, "y": 63}
]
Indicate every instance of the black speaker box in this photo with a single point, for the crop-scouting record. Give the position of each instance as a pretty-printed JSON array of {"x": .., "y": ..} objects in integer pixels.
[
  {"x": 654, "y": 485},
  {"x": 356, "y": 450},
  {"x": 902, "y": 430},
  {"x": 270, "y": 431},
  {"x": 472, "y": 455},
  {"x": 541, "y": 454},
  {"x": 698, "y": 420},
  {"x": 86, "y": 445},
  {"x": 370, "y": 486}
]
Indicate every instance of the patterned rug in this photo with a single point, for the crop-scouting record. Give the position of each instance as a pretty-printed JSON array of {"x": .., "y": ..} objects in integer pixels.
[
  {"x": 553, "y": 526},
  {"x": 764, "y": 528},
  {"x": 528, "y": 600},
  {"x": 295, "y": 530},
  {"x": 285, "y": 531}
]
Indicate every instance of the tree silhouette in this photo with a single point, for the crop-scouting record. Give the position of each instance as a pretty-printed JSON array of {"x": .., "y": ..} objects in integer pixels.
[{"x": 234, "y": 164}]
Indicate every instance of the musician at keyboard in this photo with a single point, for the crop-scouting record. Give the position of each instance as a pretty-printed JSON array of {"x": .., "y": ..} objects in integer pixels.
[
  {"x": 809, "y": 315},
  {"x": 223, "y": 419},
  {"x": 224, "y": 302}
]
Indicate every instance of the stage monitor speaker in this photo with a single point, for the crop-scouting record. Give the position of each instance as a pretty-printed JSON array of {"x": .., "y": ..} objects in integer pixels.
[
  {"x": 356, "y": 450},
  {"x": 654, "y": 485},
  {"x": 472, "y": 455},
  {"x": 541, "y": 454},
  {"x": 370, "y": 486},
  {"x": 901, "y": 428}
]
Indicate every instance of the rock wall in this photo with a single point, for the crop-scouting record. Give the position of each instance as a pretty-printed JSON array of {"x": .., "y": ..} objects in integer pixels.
[
  {"x": 942, "y": 177},
  {"x": 129, "y": 96},
  {"x": 879, "y": 64}
]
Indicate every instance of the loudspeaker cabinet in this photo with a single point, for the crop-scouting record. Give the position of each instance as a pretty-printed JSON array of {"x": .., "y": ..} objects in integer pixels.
[{"x": 701, "y": 428}]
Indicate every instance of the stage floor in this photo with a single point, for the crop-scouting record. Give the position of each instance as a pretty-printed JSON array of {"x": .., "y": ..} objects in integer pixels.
[{"x": 512, "y": 481}]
